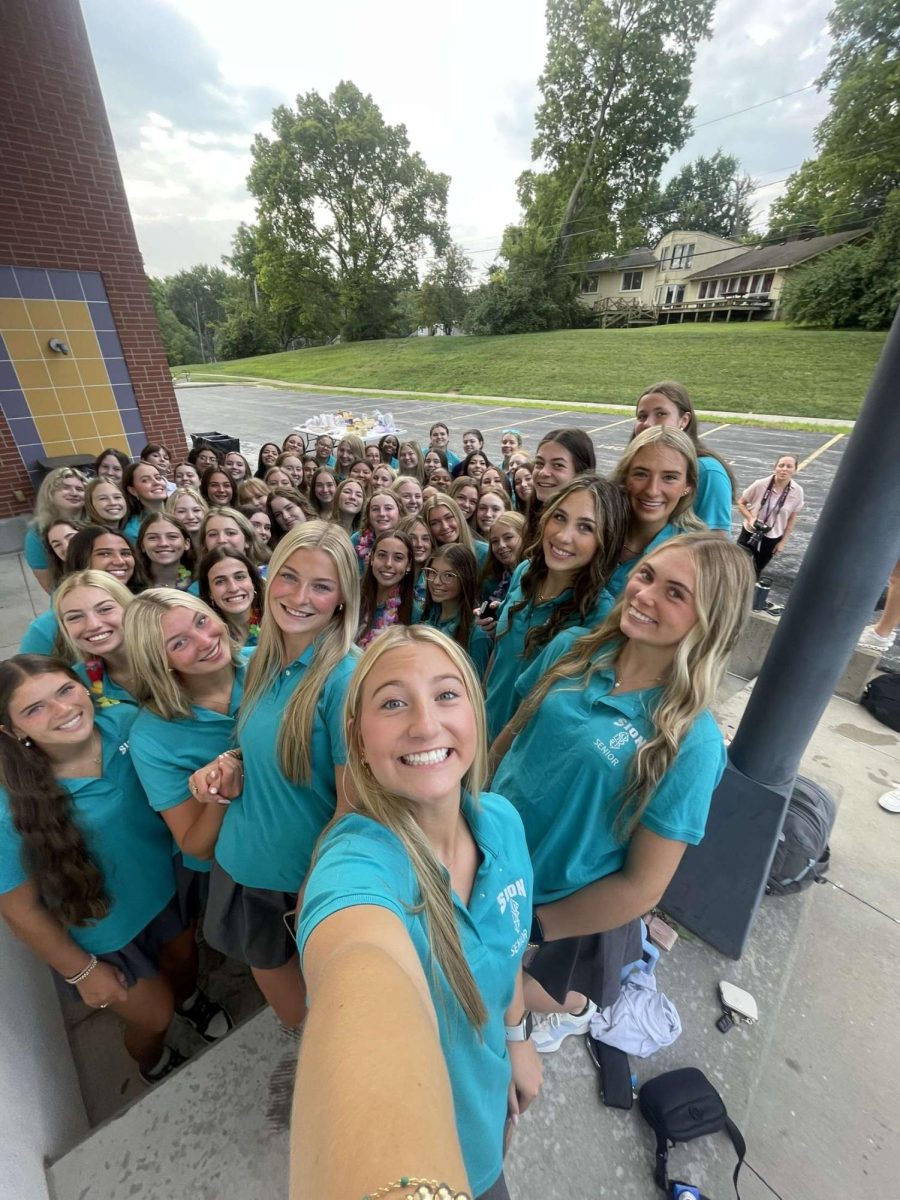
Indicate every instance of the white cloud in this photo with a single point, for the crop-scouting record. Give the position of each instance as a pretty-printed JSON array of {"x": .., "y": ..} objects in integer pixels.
[{"x": 187, "y": 87}]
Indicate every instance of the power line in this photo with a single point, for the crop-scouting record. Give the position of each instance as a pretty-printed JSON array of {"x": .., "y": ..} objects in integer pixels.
[{"x": 750, "y": 107}]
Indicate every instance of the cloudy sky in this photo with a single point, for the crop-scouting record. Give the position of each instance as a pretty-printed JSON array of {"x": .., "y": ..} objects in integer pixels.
[{"x": 187, "y": 85}]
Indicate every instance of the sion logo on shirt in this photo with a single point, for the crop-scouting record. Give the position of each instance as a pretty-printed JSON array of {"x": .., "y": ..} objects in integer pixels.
[{"x": 509, "y": 899}]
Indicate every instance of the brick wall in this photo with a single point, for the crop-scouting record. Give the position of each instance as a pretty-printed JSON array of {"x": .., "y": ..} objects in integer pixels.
[{"x": 62, "y": 202}]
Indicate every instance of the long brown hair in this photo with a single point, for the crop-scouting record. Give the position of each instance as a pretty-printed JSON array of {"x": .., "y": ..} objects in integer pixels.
[
  {"x": 70, "y": 883},
  {"x": 611, "y": 513},
  {"x": 368, "y": 586},
  {"x": 465, "y": 564}
]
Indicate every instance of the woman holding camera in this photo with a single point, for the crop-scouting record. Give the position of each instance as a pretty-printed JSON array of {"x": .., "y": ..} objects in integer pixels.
[{"x": 769, "y": 508}]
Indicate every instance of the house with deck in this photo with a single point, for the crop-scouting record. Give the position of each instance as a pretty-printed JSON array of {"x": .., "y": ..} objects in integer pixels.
[{"x": 694, "y": 276}]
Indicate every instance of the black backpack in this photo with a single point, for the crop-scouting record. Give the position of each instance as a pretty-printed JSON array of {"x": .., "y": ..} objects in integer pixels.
[
  {"x": 882, "y": 699},
  {"x": 802, "y": 855}
]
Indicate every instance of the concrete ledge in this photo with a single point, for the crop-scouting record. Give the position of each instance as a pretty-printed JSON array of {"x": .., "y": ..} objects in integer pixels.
[
  {"x": 753, "y": 645},
  {"x": 12, "y": 533}
]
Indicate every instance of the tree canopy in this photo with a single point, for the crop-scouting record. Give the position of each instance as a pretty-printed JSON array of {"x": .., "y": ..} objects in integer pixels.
[
  {"x": 709, "y": 194},
  {"x": 345, "y": 210},
  {"x": 858, "y": 163},
  {"x": 614, "y": 108}
]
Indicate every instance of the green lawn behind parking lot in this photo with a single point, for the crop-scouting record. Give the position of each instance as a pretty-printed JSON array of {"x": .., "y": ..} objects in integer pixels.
[{"x": 763, "y": 367}]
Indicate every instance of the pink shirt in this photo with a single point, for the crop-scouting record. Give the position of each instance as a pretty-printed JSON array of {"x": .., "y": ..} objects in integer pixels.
[{"x": 753, "y": 496}]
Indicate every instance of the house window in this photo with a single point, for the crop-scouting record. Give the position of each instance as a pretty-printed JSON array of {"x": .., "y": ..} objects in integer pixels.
[
  {"x": 682, "y": 255},
  {"x": 767, "y": 282},
  {"x": 674, "y": 293},
  {"x": 664, "y": 258},
  {"x": 707, "y": 289},
  {"x": 590, "y": 283},
  {"x": 632, "y": 281}
]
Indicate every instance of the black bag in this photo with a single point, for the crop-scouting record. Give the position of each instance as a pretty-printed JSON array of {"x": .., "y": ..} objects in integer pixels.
[
  {"x": 680, "y": 1106},
  {"x": 882, "y": 699},
  {"x": 802, "y": 855}
]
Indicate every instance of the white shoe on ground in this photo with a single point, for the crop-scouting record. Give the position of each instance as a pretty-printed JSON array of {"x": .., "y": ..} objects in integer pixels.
[
  {"x": 890, "y": 801},
  {"x": 551, "y": 1030},
  {"x": 870, "y": 640}
]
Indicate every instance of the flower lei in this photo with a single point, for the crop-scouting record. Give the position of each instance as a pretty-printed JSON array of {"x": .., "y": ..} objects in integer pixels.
[
  {"x": 385, "y": 616},
  {"x": 184, "y": 578},
  {"x": 364, "y": 545},
  {"x": 96, "y": 673}
]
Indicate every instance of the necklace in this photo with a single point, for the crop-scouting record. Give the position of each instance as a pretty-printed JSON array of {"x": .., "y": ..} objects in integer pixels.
[{"x": 619, "y": 682}]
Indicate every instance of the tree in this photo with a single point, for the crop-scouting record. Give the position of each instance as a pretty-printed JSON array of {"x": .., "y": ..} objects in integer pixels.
[
  {"x": 708, "y": 194},
  {"x": 444, "y": 295},
  {"x": 858, "y": 164},
  {"x": 245, "y": 332},
  {"x": 830, "y": 292},
  {"x": 198, "y": 298},
  {"x": 180, "y": 342},
  {"x": 614, "y": 108},
  {"x": 345, "y": 211}
]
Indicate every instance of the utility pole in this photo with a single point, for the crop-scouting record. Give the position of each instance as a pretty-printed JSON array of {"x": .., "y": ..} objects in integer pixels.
[
  {"x": 718, "y": 887},
  {"x": 199, "y": 330}
]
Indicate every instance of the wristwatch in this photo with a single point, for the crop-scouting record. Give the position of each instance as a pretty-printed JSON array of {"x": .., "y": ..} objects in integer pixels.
[{"x": 520, "y": 1032}]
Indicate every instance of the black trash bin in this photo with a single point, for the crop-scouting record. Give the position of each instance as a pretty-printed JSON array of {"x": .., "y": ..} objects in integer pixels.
[{"x": 222, "y": 442}]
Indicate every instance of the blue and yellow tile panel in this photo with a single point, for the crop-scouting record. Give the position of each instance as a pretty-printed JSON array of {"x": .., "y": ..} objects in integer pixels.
[{"x": 55, "y": 403}]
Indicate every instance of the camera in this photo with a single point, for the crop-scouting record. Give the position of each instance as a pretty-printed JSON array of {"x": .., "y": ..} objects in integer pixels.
[{"x": 760, "y": 529}]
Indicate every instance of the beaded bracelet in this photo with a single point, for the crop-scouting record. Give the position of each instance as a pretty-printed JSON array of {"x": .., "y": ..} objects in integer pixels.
[
  {"x": 83, "y": 974},
  {"x": 425, "y": 1189}
]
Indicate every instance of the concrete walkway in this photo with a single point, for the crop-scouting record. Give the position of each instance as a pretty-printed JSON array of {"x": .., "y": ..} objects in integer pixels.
[{"x": 813, "y": 1085}]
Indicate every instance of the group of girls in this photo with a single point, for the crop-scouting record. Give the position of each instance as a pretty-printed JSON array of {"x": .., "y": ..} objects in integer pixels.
[{"x": 345, "y": 749}]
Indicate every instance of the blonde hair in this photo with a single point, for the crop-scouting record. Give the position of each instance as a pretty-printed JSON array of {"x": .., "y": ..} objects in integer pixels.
[
  {"x": 333, "y": 644},
  {"x": 664, "y": 436},
  {"x": 722, "y": 596},
  {"x": 92, "y": 516},
  {"x": 158, "y": 687},
  {"x": 179, "y": 494},
  {"x": 442, "y": 500},
  {"x": 253, "y": 547},
  {"x": 383, "y": 466},
  {"x": 395, "y": 813},
  {"x": 89, "y": 578},
  {"x": 251, "y": 487},
  {"x": 45, "y": 509}
]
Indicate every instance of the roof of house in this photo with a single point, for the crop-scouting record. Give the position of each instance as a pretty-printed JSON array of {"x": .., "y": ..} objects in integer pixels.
[
  {"x": 641, "y": 256},
  {"x": 781, "y": 254}
]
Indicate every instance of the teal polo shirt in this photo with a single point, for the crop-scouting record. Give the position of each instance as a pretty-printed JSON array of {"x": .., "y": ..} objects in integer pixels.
[
  {"x": 360, "y": 863},
  {"x": 40, "y": 636},
  {"x": 480, "y": 644},
  {"x": 132, "y": 526},
  {"x": 34, "y": 550},
  {"x": 166, "y": 753},
  {"x": 104, "y": 691},
  {"x": 509, "y": 645},
  {"x": 125, "y": 838},
  {"x": 714, "y": 499},
  {"x": 569, "y": 805},
  {"x": 269, "y": 831},
  {"x": 482, "y": 550},
  {"x": 619, "y": 577}
]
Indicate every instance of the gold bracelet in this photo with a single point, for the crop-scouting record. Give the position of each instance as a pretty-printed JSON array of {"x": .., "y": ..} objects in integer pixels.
[{"x": 425, "y": 1189}]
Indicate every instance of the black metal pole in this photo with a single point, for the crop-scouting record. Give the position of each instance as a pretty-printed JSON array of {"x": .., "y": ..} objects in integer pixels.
[
  {"x": 718, "y": 887},
  {"x": 855, "y": 544}
]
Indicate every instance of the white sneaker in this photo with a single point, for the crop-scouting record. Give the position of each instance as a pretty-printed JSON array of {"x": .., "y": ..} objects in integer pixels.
[
  {"x": 890, "y": 801},
  {"x": 870, "y": 640},
  {"x": 550, "y": 1030}
]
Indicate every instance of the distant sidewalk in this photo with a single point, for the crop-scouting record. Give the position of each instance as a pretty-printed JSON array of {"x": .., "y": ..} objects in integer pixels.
[{"x": 209, "y": 379}]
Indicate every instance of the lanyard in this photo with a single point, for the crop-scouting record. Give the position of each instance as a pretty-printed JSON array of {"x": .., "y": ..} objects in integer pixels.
[{"x": 768, "y": 514}]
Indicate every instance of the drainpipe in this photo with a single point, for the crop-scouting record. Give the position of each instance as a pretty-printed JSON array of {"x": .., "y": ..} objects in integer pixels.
[{"x": 718, "y": 887}]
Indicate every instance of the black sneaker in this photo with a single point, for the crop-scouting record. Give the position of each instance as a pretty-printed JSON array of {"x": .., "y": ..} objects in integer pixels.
[
  {"x": 175, "y": 1060},
  {"x": 207, "y": 1017}
]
